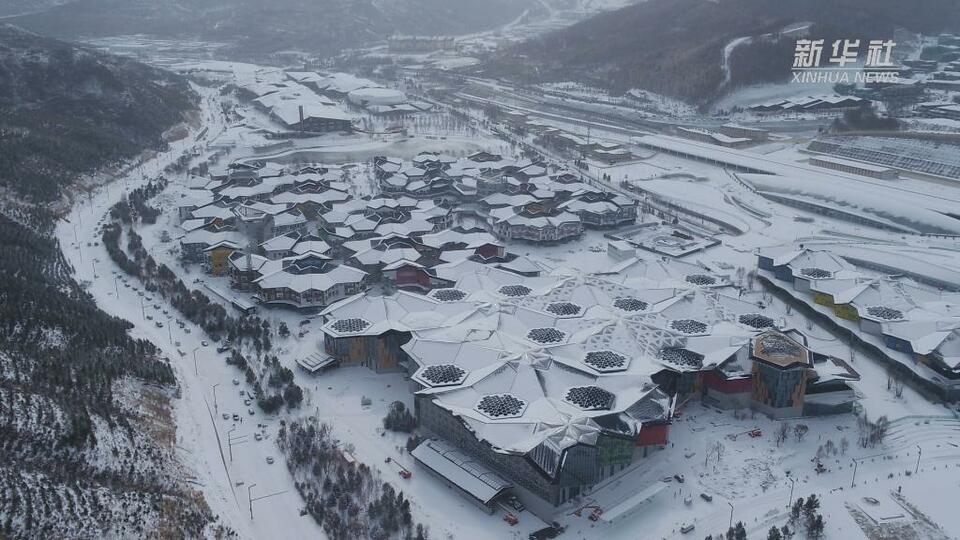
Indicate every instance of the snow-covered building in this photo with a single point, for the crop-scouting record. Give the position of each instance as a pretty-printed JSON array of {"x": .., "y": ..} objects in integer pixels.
[
  {"x": 603, "y": 210},
  {"x": 559, "y": 381},
  {"x": 535, "y": 222},
  {"x": 894, "y": 311},
  {"x": 309, "y": 281},
  {"x": 312, "y": 117}
]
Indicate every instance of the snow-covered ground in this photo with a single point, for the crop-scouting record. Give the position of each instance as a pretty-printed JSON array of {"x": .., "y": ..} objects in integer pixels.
[
  {"x": 751, "y": 473},
  {"x": 203, "y": 435}
]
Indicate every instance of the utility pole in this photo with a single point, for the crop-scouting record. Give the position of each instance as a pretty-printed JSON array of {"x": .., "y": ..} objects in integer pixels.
[
  {"x": 215, "y": 408},
  {"x": 143, "y": 310},
  {"x": 196, "y": 370},
  {"x": 250, "y": 499},
  {"x": 853, "y": 482},
  {"x": 919, "y": 453},
  {"x": 731, "y": 514},
  {"x": 792, "y": 483},
  {"x": 229, "y": 441},
  {"x": 234, "y": 440}
]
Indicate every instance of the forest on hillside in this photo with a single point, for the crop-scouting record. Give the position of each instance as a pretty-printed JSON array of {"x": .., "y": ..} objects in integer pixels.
[
  {"x": 86, "y": 429},
  {"x": 67, "y": 111},
  {"x": 675, "y": 47}
]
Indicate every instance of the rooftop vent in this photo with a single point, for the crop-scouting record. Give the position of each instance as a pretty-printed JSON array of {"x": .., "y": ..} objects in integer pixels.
[
  {"x": 688, "y": 326},
  {"x": 605, "y": 361},
  {"x": 515, "y": 290},
  {"x": 885, "y": 313},
  {"x": 700, "y": 279},
  {"x": 590, "y": 398},
  {"x": 448, "y": 295},
  {"x": 816, "y": 273},
  {"x": 755, "y": 320},
  {"x": 443, "y": 375},
  {"x": 350, "y": 326},
  {"x": 681, "y": 357},
  {"x": 545, "y": 335},
  {"x": 630, "y": 304},
  {"x": 501, "y": 406},
  {"x": 564, "y": 309}
]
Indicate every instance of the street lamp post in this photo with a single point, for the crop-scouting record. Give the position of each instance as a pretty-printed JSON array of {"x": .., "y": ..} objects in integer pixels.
[
  {"x": 251, "y": 498},
  {"x": 215, "y": 408},
  {"x": 919, "y": 453},
  {"x": 731, "y": 513},
  {"x": 229, "y": 443},
  {"x": 234, "y": 440},
  {"x": 792, "y": 483},
  {"x": 196, "y": 370},
  {"x": 853, "y": 482}
]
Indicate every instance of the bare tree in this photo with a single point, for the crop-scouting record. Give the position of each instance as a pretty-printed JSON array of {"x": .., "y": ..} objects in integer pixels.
[
  {"x": 783, "y": 430},
  {"x": 800, "y": 431}
]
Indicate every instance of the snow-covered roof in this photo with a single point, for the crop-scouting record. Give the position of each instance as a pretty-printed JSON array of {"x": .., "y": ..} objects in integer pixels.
[
  {"x": 317, "y": 277},
  {"x": 525, "y": 361}
]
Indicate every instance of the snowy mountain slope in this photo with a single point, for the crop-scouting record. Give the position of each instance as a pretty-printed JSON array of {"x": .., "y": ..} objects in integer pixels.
[
  {"x": 676, "y": 47},
  {"x": 68, "y": 110},
  {"x": 257, "y": 27},
  {"x": 12, "y": 8},
  {"x": 86, "y": 440}
]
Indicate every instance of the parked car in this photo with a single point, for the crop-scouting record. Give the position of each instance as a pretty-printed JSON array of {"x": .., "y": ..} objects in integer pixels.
[
  {"x": 159, "y": 324},
  {"x": 687, "y": 528},
  {"x": 236, "y": 417},
  {"x": 708, "y": 498},
  {"x": 204, "y": 343},
  {"x": 678, "y": 478},
  {"x": 269, "y": 460},
  {"x": 251, "y": 412},
  {"x": 226, "y": 416},
  {"x": 236, "y": 382}
]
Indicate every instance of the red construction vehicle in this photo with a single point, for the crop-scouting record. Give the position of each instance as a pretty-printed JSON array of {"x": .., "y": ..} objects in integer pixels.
[
  {"x": 403, "y": 471},
  {"x": 754, "y": 433},
  {"x": 511, "y": 519}
]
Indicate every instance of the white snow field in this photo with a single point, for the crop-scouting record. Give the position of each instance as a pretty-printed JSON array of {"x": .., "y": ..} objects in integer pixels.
[{"x": 752, "y": 477}]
